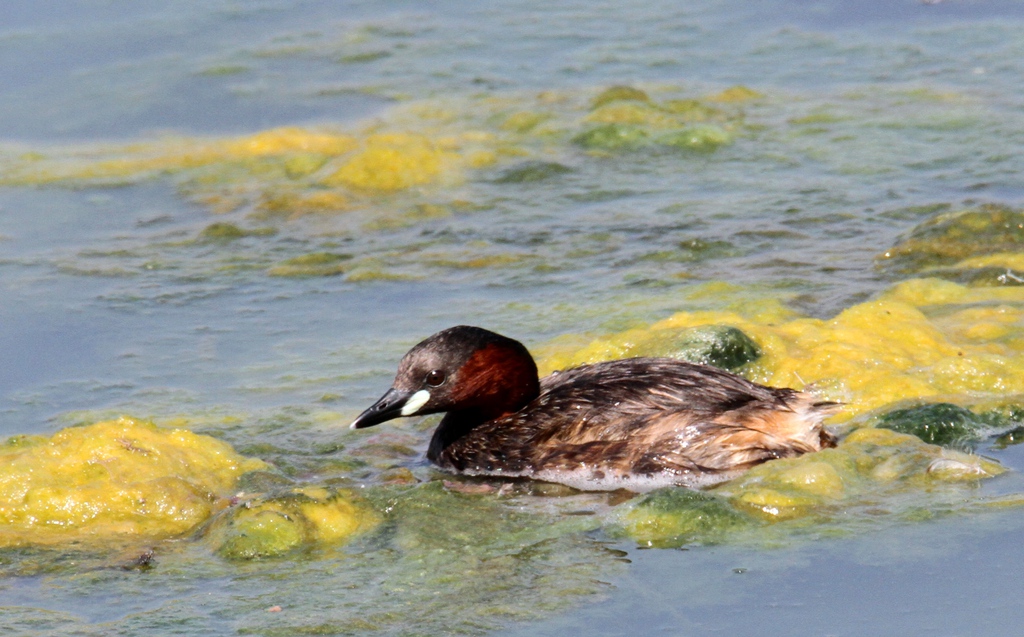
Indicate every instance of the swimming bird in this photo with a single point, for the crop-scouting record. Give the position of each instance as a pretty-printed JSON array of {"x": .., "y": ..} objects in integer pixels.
[{"x": 636, "y": 423}]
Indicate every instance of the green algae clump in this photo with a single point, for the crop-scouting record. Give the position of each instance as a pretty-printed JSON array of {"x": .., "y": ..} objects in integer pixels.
[
  {"x": 624, "y": 119},
  {"x": 631, "y": 113},
  {"x": 273, "y": 525},
  {"x": 703, "y": 138},
  {"x": 720, "y": 346},
  {"x": 674, "y": 517},
  {"x": 619, "y": 94},
  {"x": 532, "y": 171},
  {"x": 612, "y": 137},
  {"x": 957, "y": 239},
  {"x": 222, "y": 232},
  {"x": 308, "y": 265},
  {"x": 940, "y": 424},
  {"x": 738, "y": 93},
  {"x": 295, "y": 204},
  {"x": 523, "y": 121},
  {"x": 225, "y": 232},
  {"x": 118, "y": 478}
]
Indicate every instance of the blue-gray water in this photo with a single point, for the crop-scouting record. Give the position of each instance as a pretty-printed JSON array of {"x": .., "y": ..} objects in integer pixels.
[{"x": 104, "y": 308}]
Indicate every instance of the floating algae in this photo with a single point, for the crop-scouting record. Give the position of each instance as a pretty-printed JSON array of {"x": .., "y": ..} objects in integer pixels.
[
  {"x": 223, "y": 232},
  {"x": 835, "y": 490},
  {"x": 292, "y": 204},
  {"x": 474, "y": 560},
  {"x": 287, "y": 171},
  {"x": 118, "y": 478},
  {"x": 717, "y": 345},
  {"x": 273, "y": 525},
  {"x": 936, "y": 423},
  {"x": 423, "y": 163},
  {"x": 738, "y": 93},
  {"x": 387, "y": 163},
  {"x": 697, "y": 138},
  {"x": 315, "y": 264},
  {"x": 987, "y": 236},
  {"x": 613, "y": 137},
  {"x": 414, "y": 149},
  {"x": 675, "y": 517},
  {"x": 869, "y": 466},
  {"x": 619, "y": 94},
  {"x": 102, "y": 165},
  {"x": 532, "y": 171},
  {"x": 631, "y": 113},
  {"x": 444, "y": 563},
  {"x": 627, "y": 119},
  {"x": 922, "y": 339}
]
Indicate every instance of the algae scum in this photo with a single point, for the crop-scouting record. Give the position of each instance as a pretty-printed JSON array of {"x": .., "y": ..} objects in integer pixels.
[{"x": 703, "y": 190}]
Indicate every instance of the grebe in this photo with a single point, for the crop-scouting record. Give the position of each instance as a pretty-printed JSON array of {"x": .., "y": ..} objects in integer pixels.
[{"x": 637, "y": 423}]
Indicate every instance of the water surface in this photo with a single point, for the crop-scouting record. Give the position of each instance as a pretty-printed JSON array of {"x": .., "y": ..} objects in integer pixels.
[{"x": 870, "y": 114}]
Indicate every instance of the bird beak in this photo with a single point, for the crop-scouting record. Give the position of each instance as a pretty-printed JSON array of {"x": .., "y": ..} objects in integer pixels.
[{"x": 391, "y": 405}]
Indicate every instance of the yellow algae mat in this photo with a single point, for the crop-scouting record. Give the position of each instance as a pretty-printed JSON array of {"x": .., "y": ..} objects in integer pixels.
[
  {"x": 922, "y": 339},
  {"x": 423, "y": 145},
  {"x": 129, "y": 479},
  {"x": 119, "y": 477}
]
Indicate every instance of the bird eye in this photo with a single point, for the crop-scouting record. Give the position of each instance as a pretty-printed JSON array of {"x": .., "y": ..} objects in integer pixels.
[{"x": 435, "y": 378}]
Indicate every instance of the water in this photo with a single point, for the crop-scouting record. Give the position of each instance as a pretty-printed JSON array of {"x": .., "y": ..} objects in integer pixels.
[
  {"x": 109, "y": 305},
  {"x": 889, "y": 583}
]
